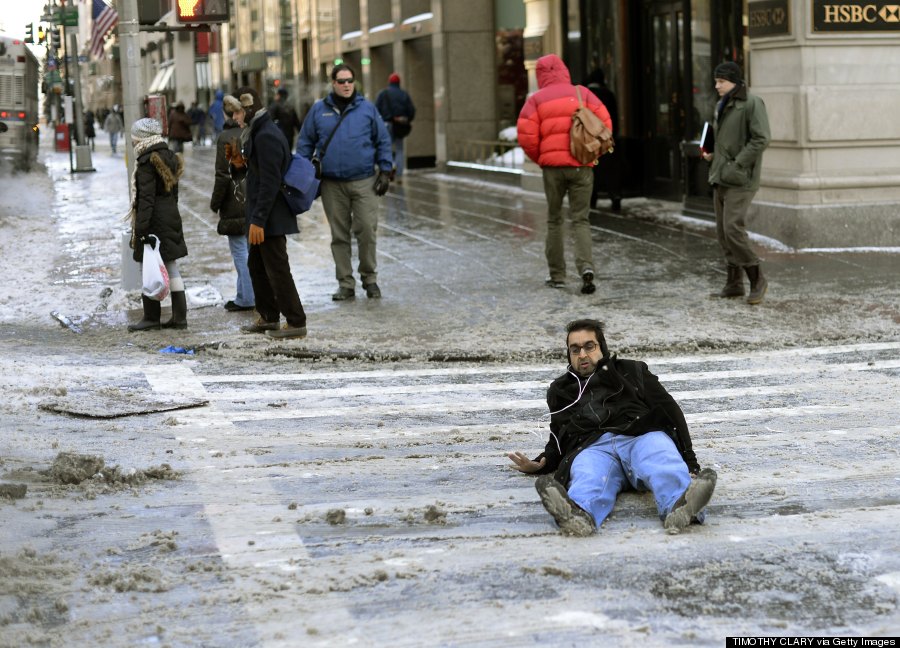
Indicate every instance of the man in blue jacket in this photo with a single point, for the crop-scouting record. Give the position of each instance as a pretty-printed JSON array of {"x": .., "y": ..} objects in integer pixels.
[{"x": 347, "y": 135}]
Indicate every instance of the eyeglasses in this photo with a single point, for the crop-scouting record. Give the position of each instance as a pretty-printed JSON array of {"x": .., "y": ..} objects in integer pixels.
[
  {"x": 587, "y": 347},
  {"x": 343, "y": 81}
]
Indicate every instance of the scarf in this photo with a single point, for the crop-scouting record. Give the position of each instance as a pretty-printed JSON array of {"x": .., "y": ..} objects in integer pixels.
[{"x": 245, "y": 134}]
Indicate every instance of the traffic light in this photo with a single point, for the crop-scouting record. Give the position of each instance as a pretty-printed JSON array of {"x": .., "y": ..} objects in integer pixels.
[
  {"x": 29, "y": 33},
  {"x": 54, "y": 38},
  {"x": 42, "y": 35},
  {"x": 195, "y": 12}
]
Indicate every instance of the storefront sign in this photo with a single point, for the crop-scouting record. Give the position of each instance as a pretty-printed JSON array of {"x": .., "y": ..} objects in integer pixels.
[
  {"x": 769, "y": 18},
  {"x": 855, "y": 16}
]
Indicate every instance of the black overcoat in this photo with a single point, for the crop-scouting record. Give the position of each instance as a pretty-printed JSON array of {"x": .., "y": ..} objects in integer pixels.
[
  {"x": 156, "y": 205},
  {"x": 229, "y": 188},
  {"x": 268, "y": 157}
]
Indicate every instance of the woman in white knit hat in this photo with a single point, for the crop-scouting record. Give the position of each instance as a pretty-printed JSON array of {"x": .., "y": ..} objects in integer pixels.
[{"x": 154, "y": 210}]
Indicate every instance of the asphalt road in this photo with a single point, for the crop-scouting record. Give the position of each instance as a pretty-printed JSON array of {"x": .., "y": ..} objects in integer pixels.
[{"x": 352, "y": 488}]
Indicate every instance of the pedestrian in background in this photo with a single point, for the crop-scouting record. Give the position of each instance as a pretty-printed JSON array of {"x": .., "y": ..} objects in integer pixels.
[
  {"x": 154, "y": 210},
  {"x": 397, "y": 109},
  {"x": 346, "y": 134},
  {"x": 89, "y": 133},
  {"x": 607, "y": 171},
  {"x": 284, "y": 116},
  {"x": 543, "y": 130},
  {"x": 614, "y": 427},
  {"x": 228, "y": 198},
  {"x": 217, "y": 114},
  {"x": 269, "y": 221},
  {"x": 179, "y": 128},
  {"x": 741, "y": 126},
  {"x": 113, "y": 125},
  {"x": 197, "y": 116}
]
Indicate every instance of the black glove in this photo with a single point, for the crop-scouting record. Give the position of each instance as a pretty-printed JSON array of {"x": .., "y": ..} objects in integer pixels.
[{"x": 382, "y": 183}]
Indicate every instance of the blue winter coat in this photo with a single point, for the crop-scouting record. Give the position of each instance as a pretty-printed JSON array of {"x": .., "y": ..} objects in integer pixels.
[
  {"x": 359, "y": 145},
  {"x": 268, "y": 157}
]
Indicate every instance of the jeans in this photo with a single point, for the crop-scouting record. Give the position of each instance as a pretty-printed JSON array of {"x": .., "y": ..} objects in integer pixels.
[
  {"x": 240, "y": 249},
  {"x": 397, "y": 150},
  {"x": 615, "y": 462},
  {"x": 113, "y": 140},
  {"x": 578, "y": 182},
  {"x": 352, "y": 207}
]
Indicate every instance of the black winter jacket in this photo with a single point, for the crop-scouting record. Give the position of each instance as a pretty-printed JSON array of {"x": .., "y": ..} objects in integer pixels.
[
  {"x": 268, "y": 158},
  {"x": 156, "y": 210},
  {"x": 232, "y": 219},
  {"x": 622, "y": 396}
]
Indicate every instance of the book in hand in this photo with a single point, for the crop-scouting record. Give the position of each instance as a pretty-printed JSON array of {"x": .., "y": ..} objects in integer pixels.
[{"x": 707, "y": 139}]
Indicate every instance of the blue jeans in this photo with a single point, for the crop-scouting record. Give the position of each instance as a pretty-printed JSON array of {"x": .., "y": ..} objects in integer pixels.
[
  {"x": 646, "y": 462},
  {"x": 239, "y": 252},
  {"x": 113, "y": 140},
  {"x": 397, "y": 150}
]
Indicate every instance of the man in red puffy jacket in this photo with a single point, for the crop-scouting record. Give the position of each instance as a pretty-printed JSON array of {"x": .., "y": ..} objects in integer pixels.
[{"x": 543, "y": 129}]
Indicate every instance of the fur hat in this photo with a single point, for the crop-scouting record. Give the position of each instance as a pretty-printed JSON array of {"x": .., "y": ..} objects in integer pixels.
[
  {"x": 729, "y": 71},
  {"x": 231, "y": 105},
  {"x": 394, "y": 78},
  {"x": 146, "y": 127}
]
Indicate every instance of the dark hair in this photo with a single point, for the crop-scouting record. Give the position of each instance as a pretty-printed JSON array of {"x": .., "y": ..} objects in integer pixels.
[
  {"x": 587, "y": 325},
  {"x": 341, "y": 68},
  {"x": 249, "y": 111}
]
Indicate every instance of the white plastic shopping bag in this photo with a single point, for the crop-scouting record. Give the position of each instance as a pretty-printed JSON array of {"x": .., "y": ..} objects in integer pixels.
[{"x": 156, "y": 279}]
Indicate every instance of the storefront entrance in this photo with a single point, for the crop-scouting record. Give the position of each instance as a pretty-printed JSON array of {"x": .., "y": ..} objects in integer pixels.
[{"x": 664, "y": 77}]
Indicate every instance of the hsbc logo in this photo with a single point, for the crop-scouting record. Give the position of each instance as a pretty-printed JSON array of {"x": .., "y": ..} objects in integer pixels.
[{"x": 852, "y": 13}]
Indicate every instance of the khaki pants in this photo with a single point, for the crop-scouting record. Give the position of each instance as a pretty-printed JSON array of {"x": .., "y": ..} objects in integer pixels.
[
  {"x": 578, "y": 182},
  {"x": 731, "y": 206},
  {"x": 352, "y": 207}
]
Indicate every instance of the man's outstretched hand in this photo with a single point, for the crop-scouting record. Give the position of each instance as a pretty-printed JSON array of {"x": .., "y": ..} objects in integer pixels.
[{"x": 524, "y": 464}]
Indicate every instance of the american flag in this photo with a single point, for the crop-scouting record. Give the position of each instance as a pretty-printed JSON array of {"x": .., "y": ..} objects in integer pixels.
[{"x": 105, "y": 18}]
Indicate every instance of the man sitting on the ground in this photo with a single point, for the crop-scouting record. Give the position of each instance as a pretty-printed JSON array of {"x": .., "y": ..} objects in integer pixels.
[{"x": 614, "y": 426}]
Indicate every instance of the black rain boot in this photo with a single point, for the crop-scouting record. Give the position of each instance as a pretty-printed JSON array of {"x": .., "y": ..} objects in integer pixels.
[
  {"x": 734, "y": 285},
  {"x": 758, "y": 284},
  {"x": 179, "y": 311},
  {"x": 150, "y": 322}
]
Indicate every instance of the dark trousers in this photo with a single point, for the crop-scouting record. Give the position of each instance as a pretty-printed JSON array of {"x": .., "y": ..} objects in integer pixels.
[
  {"x": 731, "y": 205},
  {"x": 273, "y": 284}
]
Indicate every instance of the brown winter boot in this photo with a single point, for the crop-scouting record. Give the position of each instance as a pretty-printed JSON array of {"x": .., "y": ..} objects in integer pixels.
[
  {"x": 150, "y": 321},
  {"x": 758, "y": 284},
  {"x": 734, "y": 285}
]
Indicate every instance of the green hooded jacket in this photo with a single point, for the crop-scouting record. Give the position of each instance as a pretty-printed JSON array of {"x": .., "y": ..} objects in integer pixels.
[{"x": 742, "y": 134}]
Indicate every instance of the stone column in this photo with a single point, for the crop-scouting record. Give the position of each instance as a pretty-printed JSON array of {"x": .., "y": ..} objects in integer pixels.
[{"x": 831, "y": 176}]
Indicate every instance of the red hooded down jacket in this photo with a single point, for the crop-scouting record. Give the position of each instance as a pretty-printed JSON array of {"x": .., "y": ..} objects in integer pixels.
[{"x": 546, "y": 118}]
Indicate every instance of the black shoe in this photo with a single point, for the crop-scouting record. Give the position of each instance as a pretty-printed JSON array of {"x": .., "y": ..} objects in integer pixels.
[
  {"x": 231, "y": 307},
  {"x": 260, "y": 326},
  {"x": 373, "y": 291},
  {"x": 587, "y": 286},
  {"x": 150, "y": 320},
  {"x": 571, "y": 518},
  {"x": 692, "y": 501},
  {"x": 553, "y": 283},
  {"x": 343, "y": 294}
]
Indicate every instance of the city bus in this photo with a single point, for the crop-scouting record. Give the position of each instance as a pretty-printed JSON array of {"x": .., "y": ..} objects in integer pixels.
[{"x": 18, "y": 102}]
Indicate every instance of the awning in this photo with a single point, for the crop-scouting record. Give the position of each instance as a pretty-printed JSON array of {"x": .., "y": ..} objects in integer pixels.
[{"x": 162, "y": 80}]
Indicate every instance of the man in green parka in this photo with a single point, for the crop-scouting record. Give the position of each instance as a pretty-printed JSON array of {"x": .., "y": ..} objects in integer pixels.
[{"x": 741, "y": 129}]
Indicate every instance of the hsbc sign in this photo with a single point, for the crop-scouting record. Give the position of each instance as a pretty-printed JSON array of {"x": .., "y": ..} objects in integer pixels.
[{"x": 855, "y": 16}]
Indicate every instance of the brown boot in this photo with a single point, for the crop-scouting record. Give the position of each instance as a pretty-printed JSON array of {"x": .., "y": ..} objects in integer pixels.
[
  {"x": 734, "y": 285},
  {"x": 758, "y": 284}
]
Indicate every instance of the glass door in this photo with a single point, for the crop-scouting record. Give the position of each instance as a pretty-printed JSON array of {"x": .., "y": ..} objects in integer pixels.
[{"x": 664, "y": 76}]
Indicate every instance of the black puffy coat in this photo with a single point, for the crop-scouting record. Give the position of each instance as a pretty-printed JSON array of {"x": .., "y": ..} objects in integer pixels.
[
  {"x": 156, "y": 202},
  {"x": 229, "y": 181},
  {"x": 268, "y": 157},
  {"x": 622, "y": 396}
]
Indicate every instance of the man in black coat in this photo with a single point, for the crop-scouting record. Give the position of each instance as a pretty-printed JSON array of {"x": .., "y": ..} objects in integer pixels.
[
  {"x": 397, "y": 110},
  {"x": 269, "y": 221},
  {"x": 613, "y": 426},
  {"x": 284, "y": 116}
]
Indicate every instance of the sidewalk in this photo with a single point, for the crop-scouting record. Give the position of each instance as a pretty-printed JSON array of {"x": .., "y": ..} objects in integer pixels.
[{"x": 462, "y": 269}]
